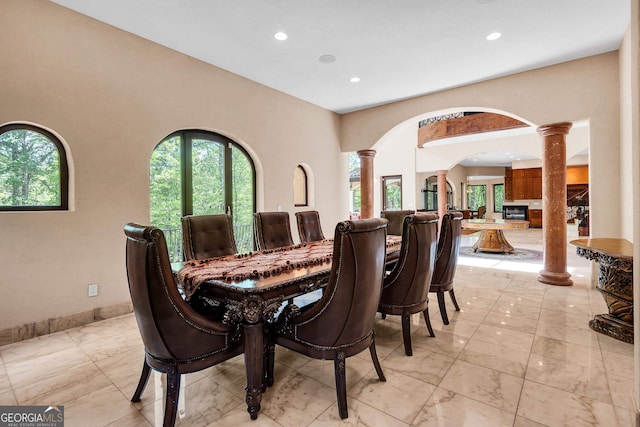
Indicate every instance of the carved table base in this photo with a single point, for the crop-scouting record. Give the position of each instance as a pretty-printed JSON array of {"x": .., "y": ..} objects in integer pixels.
[
  {"x": 615, "y": 283},
  {"x": 612, "y": 326},
  {"x": 492, "y": 241}
]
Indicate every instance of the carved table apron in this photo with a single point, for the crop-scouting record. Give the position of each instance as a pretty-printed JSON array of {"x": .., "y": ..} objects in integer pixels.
[
  {"x": 255, "y": 290},
  {"x": 615, "y": 283}
]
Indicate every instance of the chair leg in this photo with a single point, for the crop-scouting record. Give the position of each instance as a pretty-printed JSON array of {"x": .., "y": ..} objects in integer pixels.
[
  {"x": 339, "y": 364},
  {"x": 376, "y": 362},
  {"x": 428, "y": 321},
  {"x": 453, "y": 299},
  {"x": 173, "y": 391},
  {"x": 383, "y": 315},
  {"x": 443, "y": 308},
  {"x": 406, "y": 333},
  {"x": 144, "y": 379}
]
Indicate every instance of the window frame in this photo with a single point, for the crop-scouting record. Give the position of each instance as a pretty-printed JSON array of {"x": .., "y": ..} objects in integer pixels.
[
  {"x": 494, "y": 197},
  {"x": 385, "y": 198},
  {"x": 186, "y": 142},
  {"x": 305, "y": 179},
  {"x": 63, "y": 170},
  {"x": 470, "y": 190}
]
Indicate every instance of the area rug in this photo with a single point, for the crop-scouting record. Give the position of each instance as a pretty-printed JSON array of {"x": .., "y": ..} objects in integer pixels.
[{"x": 519, "y": 255}]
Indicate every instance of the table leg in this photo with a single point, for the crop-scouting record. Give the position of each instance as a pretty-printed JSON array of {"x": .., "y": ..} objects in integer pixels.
[
  {"x": 254, "y": 366},
  {"x": 615, "y": 283},
  {"x": 492, "y": 241}
]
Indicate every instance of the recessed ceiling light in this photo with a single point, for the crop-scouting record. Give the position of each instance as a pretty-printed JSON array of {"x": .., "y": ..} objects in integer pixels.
[
  {"x": 327, "y": 59},
  {"x": 354, "y": 79},
  {"x": 280, "y": 36},
  {"x": 494, "y": 36}
]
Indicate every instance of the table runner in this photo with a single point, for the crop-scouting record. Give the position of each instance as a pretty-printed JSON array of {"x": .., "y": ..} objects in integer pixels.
[{"x": 239, "y": 267}]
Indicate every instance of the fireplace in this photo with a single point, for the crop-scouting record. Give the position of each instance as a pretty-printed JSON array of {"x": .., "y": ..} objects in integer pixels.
[{"x": 515, "y": 212}]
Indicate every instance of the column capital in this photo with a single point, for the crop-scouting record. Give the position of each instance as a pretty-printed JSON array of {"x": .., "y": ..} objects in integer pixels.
[
  {"x": 561, "y": 128},
  {"x": 442, "y": 172},
  {"x": 366, "y": 153}
]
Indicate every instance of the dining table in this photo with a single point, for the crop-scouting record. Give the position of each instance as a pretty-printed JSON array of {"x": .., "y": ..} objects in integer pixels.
[{"x": 252, "y": 287}]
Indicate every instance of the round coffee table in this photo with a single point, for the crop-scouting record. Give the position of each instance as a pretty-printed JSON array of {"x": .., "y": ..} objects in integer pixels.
[{"x": 491, "y": 237}]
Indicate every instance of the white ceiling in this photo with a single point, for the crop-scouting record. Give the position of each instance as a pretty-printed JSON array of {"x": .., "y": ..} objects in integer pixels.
[{"x": 398, "y": 48}]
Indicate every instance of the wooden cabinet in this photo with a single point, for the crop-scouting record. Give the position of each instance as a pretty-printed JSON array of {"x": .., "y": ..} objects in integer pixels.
[
  {"x": 535, "y": 218},
  {"x": 508, "y": 184},
  {"x": 577, "y": 175},
  {"x": 526, "y": 184}
]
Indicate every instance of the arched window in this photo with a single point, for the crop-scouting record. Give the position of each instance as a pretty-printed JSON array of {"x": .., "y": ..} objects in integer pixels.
[
  {"x": 430, "y": 193},
  {"x": 194, "y": 172},
  {"x": 300, "y": 187},
  {"x": 33, "y": 170}
]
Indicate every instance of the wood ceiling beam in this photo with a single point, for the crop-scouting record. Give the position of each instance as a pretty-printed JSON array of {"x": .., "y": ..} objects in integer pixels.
[{"x": 466, "y": 125}]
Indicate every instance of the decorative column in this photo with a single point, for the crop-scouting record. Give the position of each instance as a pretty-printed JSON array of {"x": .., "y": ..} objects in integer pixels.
[
  {"x": 554, "y": 204},
  {"x": 366, "y": 182},
  {"x": 442, "y": 193}
]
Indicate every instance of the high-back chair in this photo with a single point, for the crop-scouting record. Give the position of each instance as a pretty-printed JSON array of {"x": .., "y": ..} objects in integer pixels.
[
  {"x": 406, "y": 289},
  {"x": 207, "y": 236},
  {"x": 309, "y": 228},
  {"x": 447, "y": 261},
  {"x": 272, "y": 230},
  {"x": 177, "y": 340},
  {"x": 482, "y": 210},
  {"x": 395, "y": 220},
  {"x": 341, "y": 323}
]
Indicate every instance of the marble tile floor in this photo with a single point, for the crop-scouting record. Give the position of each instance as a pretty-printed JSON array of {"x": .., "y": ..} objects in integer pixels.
[{"x": 519, "y": 353}]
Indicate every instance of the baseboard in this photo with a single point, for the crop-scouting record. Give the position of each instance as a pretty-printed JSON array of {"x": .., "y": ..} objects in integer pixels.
[{"x": 44, "y": 327}]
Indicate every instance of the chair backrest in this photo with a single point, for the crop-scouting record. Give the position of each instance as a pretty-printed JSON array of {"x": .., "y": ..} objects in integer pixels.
[
  {"x": 272, "y": 230},
  {"x": 309, "y": 228},
  {"x": 165, "y": 320},
  {"x": 482, "y": 210},
  {"x": 408, "y": 283},
  {"x": 448, "y": 248},
  {"x": 345, "y": 313},
  {"x": 207, "y": 236},
  {"x": 395, "y": 220}
]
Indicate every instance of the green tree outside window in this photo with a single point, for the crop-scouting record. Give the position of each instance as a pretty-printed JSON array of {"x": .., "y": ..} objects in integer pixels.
[
  {"x": 33, "y": 169},
  {"x": 476, "y": 196},
  {"x": 201, "y": 173}
]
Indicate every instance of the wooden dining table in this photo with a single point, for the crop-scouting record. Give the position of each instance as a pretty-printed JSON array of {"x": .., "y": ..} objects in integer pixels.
[{"x": 252, "y": 288}]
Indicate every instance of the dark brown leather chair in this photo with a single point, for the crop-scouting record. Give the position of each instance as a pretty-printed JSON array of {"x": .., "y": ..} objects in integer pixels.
[
  {"x": 406, "y": 289},
  {"x": 395, "y": 220},
  {"x": 272, "y": 230},
  {"x": 207, "y": 236},
  {"x": 446, "y": 261},
  {"x": 309, "y": 228},
  {"x": 177, "y": 340},
  {"x": 341, "y": 323}
]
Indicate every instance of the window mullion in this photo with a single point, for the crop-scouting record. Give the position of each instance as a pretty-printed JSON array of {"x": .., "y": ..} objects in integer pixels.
[
  {"x": 228, "y": 177},
  {"x": 187, "y": 178}
]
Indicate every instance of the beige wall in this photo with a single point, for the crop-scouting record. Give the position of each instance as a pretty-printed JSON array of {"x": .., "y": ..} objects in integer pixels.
[
  {"x": 586, "y": 89},
  {"x": 630, "y": 166},
  {"x": 112, "y": 97}
]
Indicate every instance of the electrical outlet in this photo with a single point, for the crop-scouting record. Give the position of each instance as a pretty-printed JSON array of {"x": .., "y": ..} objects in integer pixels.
[{"x": 92, "y": 290}]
